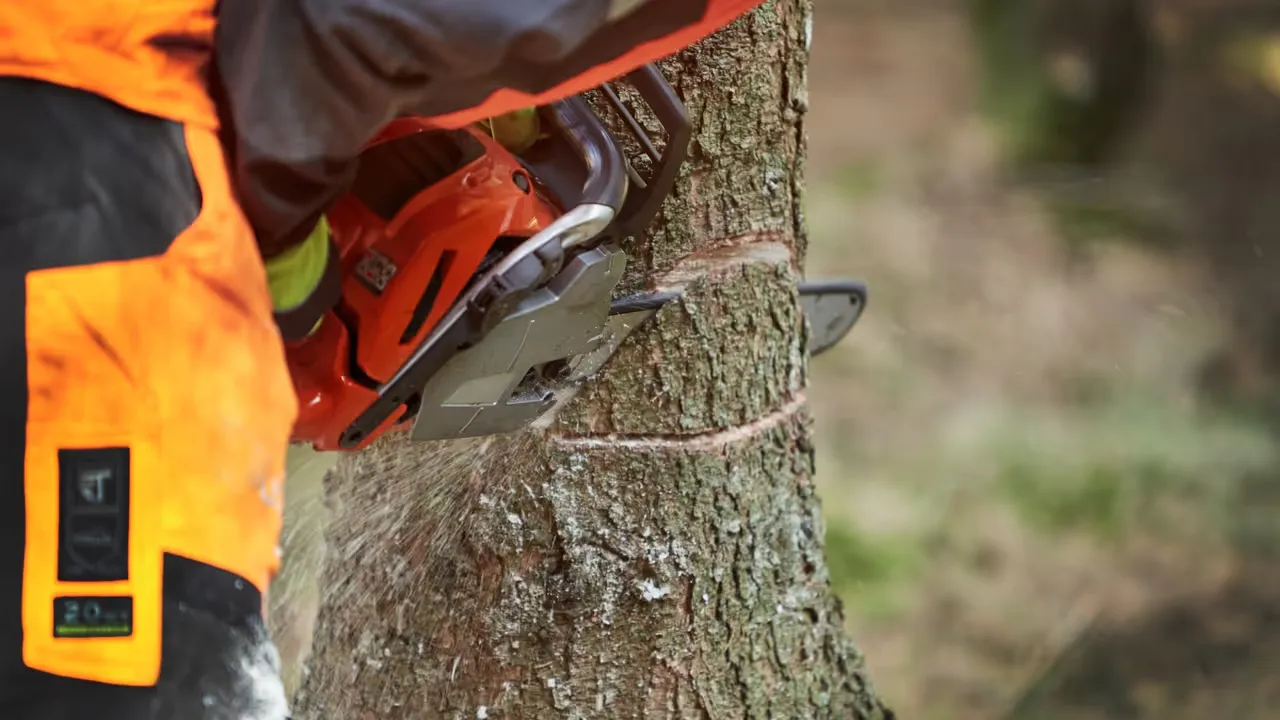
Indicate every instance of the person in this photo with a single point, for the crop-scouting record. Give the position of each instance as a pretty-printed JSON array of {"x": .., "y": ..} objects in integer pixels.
[
  {"x": 144, "y": 396},
  {"x": 164, "y": 171}
]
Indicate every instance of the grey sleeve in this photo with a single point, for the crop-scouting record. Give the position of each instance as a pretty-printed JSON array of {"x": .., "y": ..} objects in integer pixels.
[{"x": 304, "y": 84}]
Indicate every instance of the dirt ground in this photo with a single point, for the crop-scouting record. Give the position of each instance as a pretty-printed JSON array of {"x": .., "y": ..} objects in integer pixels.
[{"x": 1035, "y": 510}]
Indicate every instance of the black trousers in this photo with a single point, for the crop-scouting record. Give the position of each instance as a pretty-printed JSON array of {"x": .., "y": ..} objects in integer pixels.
[
  {"x": 84, "y": 181},
  {"x": 210, "y": 671}
]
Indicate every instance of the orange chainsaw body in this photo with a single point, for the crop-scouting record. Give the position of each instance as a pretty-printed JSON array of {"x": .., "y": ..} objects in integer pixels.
[
  {"x": 425, "y": 211},
  {"x": 451, "y": 247}
]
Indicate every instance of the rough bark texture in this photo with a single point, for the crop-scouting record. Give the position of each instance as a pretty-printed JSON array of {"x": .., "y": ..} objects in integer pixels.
[{"x": 657, "y": 550}]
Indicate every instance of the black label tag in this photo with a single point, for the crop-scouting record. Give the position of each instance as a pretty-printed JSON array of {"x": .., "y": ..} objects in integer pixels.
[
  {"x": 92, "y": 617},
  {"x": 374, "y": 270},
  {"x": 93, "y": 515}
]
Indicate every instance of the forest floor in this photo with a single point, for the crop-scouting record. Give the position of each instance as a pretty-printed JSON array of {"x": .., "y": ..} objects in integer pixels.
[{"x": 1034, "y": 512}]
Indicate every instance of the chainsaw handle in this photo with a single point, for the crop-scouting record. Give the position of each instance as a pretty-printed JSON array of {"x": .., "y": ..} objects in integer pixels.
[{"x": 606, "y": 176}]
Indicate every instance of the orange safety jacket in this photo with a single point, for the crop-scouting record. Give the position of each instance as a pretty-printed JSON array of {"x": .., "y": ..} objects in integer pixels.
[
  {"x": 152, "y": 57},
  {"x": 309, "y": 82}
]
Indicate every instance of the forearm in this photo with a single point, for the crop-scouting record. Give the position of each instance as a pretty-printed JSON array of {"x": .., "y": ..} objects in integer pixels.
[{"x": 307, "y": 83}]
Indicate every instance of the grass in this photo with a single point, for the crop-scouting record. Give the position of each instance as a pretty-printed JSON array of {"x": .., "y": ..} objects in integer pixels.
[
  {"x": 871, "y": 573},
  {"x": 1110, "y": 470},
  {"x": 1085, "y": 222},
  {"x": 1084, "y": 486},
  {"x": 861, "y": 180},
  {"x": 1124, "y": 465}
]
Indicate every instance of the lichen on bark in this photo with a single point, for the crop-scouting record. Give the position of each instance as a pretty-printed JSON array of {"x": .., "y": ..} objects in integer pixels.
[{"x": 657, "y": 550}]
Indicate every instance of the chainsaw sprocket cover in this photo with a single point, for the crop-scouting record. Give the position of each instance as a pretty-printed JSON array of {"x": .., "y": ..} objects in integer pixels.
[{"x": 512, "y": 377}]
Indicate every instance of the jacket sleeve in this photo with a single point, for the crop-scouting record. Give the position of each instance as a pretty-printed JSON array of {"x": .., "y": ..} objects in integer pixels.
[{"x": 304, "y": 84}]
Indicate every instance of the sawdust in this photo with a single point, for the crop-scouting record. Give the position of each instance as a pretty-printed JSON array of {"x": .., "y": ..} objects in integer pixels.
[
  {"x": 294, "y": 597},
  {"x": 260, "y": 668},
  {"x": 443, "y": 482}
]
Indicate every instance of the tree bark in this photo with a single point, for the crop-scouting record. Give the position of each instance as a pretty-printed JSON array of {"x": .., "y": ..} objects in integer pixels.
[{"x": 656, "y": 551}]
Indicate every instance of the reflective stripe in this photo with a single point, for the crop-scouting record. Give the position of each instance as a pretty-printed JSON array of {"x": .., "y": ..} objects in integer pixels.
[{"x": 294, "y": 274}]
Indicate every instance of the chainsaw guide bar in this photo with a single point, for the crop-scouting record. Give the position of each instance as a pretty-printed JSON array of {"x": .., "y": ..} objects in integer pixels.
[
  {"x": 518, "y": 373},
  {"x": 831, "y": 308}
]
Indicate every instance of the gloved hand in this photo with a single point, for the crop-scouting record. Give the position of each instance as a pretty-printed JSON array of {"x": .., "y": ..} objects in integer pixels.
[{"x": 305, "y": 282}]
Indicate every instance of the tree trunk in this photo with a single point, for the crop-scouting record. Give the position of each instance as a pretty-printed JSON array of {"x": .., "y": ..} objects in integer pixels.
[{"x": 657, "y": 550}]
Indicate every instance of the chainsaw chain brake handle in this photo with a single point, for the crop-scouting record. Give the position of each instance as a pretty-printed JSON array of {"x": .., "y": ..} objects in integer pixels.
[
  {"x": 561, "y": 279},
  {"x": 643, "y": 202}
]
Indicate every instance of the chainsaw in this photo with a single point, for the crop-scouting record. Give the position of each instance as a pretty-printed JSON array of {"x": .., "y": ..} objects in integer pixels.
[{"x": 478, "y": 283}]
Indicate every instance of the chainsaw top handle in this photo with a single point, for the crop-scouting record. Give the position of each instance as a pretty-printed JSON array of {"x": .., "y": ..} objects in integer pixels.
[
  {"x": 582, "y": 166},
  {"x": 606, "y": 178}
]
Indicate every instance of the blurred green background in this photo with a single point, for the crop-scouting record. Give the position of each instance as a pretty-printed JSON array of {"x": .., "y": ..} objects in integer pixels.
[{"x": 1048, "y": 451}]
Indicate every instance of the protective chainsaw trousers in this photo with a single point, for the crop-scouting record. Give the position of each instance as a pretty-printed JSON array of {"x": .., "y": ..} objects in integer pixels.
[{"x": 146, "y": 411}]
